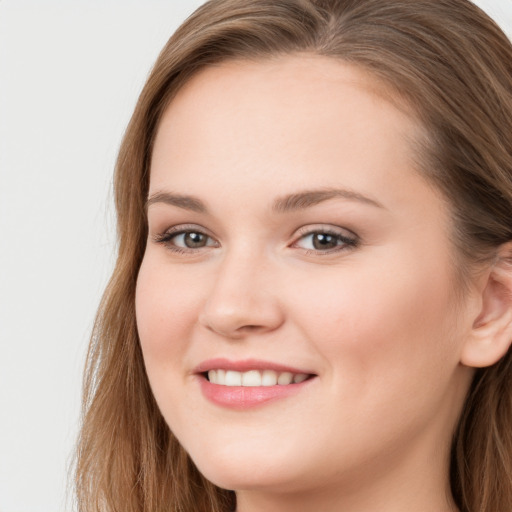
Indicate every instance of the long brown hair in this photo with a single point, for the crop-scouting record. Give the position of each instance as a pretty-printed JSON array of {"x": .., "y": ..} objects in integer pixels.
[{"x": 453, "y": 66}]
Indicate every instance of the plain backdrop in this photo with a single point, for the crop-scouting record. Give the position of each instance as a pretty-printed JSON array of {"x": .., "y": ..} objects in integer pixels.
[{"x": 70, "y": 73}]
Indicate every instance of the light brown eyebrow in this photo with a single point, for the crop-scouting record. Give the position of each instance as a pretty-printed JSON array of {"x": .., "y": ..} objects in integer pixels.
[
  {"x": 308, "y": 198},
  {"x": 284, "y": 204},
  {"x": 181, "y": 201}
]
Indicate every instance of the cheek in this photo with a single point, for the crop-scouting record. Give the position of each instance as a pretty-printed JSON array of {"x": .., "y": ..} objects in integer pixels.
[
  {"x": 382, "y": 321},
  {"x": 166, "y": 310}
]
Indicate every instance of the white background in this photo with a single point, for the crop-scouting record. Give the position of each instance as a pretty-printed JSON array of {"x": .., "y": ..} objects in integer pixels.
[{"x": 70, "y": 73}]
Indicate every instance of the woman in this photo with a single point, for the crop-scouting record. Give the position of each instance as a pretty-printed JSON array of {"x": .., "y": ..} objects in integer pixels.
[{"x": 312, "y": 303}]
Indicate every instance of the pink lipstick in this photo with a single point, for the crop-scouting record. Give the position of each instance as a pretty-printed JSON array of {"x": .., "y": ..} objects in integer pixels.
[{"x": 249, "y": 383}]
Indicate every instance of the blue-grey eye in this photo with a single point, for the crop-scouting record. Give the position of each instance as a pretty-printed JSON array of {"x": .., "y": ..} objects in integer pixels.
[{"x": 191, "y": 240}]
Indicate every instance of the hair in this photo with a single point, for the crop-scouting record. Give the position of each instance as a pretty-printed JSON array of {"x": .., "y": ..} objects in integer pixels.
[{"x": 453, "y": 66}]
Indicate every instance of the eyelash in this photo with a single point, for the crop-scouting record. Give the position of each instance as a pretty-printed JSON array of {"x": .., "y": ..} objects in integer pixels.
[{"x": 344, "y": 242}]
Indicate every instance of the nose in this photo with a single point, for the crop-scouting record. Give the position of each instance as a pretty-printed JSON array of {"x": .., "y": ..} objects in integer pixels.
[{"x": 243, "y": 299}]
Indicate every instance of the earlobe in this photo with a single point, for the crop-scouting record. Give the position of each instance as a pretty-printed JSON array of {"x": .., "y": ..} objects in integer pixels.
[{"x": 491, "y": 333}]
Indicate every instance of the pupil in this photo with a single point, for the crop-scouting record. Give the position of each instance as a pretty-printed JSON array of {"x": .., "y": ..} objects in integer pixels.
[
  {"x": 194, "y": 240},
  {"x": 323, "y": 241}
]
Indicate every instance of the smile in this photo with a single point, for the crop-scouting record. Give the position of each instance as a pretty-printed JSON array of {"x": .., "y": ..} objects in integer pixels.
[
  {"x": 249, "y": 383},
  {"x": 254, "y": 378}
]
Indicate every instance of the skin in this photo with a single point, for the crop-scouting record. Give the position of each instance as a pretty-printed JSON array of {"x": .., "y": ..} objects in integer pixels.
[{"x": 379, "y": 323}]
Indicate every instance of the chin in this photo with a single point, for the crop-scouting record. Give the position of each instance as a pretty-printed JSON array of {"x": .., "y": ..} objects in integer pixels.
[
  {"x": 244, "y": 469},
  {"x": 247, "y": 476}
]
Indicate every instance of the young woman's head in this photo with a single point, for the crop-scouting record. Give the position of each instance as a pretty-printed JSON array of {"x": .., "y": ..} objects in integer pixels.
[{"x": 312, "y": 304}]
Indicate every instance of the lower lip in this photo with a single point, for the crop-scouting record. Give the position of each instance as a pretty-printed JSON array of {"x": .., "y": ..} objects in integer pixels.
[{"x": 246, "y": 397}]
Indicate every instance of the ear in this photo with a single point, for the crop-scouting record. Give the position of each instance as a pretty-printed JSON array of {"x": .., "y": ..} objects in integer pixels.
[{"x": 491, "y": 332}]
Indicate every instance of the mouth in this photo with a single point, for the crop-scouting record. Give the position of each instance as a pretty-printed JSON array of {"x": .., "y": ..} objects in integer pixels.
[{"x": 250, "y": 383}]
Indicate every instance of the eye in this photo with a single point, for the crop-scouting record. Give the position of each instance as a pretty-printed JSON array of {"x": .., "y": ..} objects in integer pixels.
[
  {"x": 191, "y": 240},
  {"x": 326, "y": 240},
  {"x": 181, "y": 239}
]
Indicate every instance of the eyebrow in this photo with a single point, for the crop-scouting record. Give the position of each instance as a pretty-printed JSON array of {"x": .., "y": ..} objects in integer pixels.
[
  {"x": 308, "y": 198},
  {"x": 284, "y": 204},
  {"x": 181, "y": 201}
]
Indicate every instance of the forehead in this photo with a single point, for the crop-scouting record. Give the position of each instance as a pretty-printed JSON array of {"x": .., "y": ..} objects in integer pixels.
[
  {"x": 293, "y": 86},
  {"x": 294, "y": 113}
]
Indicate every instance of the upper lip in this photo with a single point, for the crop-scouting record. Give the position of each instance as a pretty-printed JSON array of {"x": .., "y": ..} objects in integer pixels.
[{"x": 246, "y": 365}]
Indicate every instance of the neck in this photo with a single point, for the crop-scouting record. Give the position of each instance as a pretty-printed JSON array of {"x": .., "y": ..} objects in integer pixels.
[{"x": 419, "y": 499}]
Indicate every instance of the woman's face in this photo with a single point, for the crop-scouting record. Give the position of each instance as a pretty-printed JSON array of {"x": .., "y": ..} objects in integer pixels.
[{"x": 291, "y": 238}]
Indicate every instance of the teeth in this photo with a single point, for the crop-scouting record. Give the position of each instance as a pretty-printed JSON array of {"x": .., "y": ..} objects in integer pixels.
[
  {"x": 254, "y": 378},
  {"x": 285, "y": 378},
  {"x": 232, "y": 379},
  {"x": 269, "y": 378}
]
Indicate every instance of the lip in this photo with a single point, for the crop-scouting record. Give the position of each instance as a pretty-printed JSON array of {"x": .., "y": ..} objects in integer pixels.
[
  {"x": 246, "y": 365},
  {"x": 242, "y": 398},
  {"x": 247, "y": 397}
]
